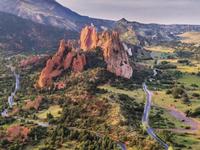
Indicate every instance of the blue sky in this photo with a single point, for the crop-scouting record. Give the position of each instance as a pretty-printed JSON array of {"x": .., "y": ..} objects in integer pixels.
[{"x": 147, "y": 11}]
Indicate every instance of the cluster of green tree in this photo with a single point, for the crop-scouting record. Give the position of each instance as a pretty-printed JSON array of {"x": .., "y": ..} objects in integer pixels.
[
  {"x": 6, "y": 121},
  {"x": 131, "y": 110},
  {"x": 133, "y": 83},
  {"x": 196, "y": 113},
  {"x": 179, "y": 92},
  {"x": 165, "y": 65},
  {"x": 158, "y": 120},
  {"x": 85, "y": 139},
  {"x": 95, "y": 59},
  {"x": 184, "y": 61}
]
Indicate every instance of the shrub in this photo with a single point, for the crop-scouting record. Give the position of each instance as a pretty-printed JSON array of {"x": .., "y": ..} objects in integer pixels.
[{"x": 168, "y": 92}]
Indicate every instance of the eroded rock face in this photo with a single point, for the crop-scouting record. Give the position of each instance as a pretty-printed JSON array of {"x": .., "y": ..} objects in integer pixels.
[
  {"x": 88, "y": 38},
  {"x": 113, "y": 50},
  {"x": 78, "y": 63},
  {"x": 115, "y": 55},
  {"x": 67, "y": 56}
]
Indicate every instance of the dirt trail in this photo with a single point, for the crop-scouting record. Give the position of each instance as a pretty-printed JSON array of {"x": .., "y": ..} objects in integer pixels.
[{"x": 190, "y": 122}]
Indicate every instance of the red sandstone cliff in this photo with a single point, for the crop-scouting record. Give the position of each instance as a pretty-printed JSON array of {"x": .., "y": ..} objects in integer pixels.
[
  {"x": 114, "y": 53},
  {"x": 88, "y": 38},
  {"x": 69, "y": 55},
  {"x": 66, "y": 57}
]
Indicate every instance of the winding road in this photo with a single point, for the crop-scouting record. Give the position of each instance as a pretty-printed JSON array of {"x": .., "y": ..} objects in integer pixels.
[
  {"x": 11, "y": 97},
  {"x": 145, "y": 117}
]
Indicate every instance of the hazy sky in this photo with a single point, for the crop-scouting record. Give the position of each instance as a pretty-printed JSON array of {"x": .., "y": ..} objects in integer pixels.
[{"x": 148, "y": 11}]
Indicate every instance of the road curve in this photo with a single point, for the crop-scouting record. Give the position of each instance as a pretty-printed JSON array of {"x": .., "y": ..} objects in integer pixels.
[
  {"x": 145, "y": 117},
  {"x": 4, "y": 113}
]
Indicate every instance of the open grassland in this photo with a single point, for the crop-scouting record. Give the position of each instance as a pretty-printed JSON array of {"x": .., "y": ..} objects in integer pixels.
[
  {"x": 188, "y": 69},
  {"x": 188, "y": 80},
  {"x": 54, "y": 110},
  {"x": 161, "y": 49},
  {"x": 187, "y": 141},
  {"x": 161, "y": 99},
  {"x": 137, "y": 94},
  {"x": 193, "y": 68},
  {"x": 190, "y": 37},
  {"x": 140, "y": 97}
]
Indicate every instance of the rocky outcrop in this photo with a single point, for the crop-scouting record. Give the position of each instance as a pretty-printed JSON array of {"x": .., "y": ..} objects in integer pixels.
[
  {"x": 29, "y": 61},
  {"x": 67, "y": 56},
  {"x": 88, "y": 38},
  {"x": 113, "y": 50},
  {"x": 115, "y": 55},
  {"x": 59, "y": 85},
  {"x": 78, "y": 63},
  {"x": 35, "y": 104},
  {"x": 19, "y": 133},
  {"x": 32, "y": 60}
]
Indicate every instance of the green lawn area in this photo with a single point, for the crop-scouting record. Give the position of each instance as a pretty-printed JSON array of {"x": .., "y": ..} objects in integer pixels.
[
  {"x": 54, "y": 110},
  {"x": 161, "y": 99},
  {"x": 161, "y": 49},
  {"x": 191, "y": 142},
  {"x": 138, "y": 94},
  {"x": 188, "y": 80}
]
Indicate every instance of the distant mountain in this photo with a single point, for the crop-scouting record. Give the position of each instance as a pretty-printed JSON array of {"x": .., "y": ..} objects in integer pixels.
[
  {"x": 50, "y": 12},
  {"x": 40, "y": 24},
  {"x": 17, "y": 34},
  {"x": 144, "y": 34}
]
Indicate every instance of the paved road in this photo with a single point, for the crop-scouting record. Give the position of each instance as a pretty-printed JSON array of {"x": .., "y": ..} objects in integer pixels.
[
  {"x": 145, "y": 117},
  {"x": 11, "y": 97}
]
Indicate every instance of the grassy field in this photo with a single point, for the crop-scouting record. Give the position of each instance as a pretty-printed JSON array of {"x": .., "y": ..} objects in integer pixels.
[
  {"x": 137, "y": 94},
  {"x": 54, "y": 110},
  {"x": 194, "y": 68},
  {"x": 190, "y": 37},
  {"x": 189, "y": 141},
  {"x": 188, "y": 69},
  {"x": 161, "y": 99},
  {"x": 189, "y": 80},
  {"x": 161, "y": 49}
]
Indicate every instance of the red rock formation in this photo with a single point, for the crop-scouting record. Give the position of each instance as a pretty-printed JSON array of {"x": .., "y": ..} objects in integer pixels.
[
  {"x": 32, "y": 60},
  {"x": 17, "y": 132},
  {"x": 115, "y": 55},
  {"x": 59, "y": 85},
  {"x": 29, "y": 61},
  {"x": 34, "y": 104},
  {"x": 69, "y": 55},
  {"x": 88, "y": 38},
  {"x": 66, "y": 57},
  {"x": 79, "y": 63}
]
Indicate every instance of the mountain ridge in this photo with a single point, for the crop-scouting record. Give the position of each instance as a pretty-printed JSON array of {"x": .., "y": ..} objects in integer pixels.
[{"x": 50, "y": 12}]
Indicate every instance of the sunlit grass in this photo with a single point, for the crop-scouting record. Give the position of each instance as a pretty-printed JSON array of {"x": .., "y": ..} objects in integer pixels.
[
  {"x": 189, "y": 80},
  {"x": 54, "y": 110},
  {"x": 161, "y": 49},
  {"x": 161, "y": 99},
  {"x": 190, "y": 37}
]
